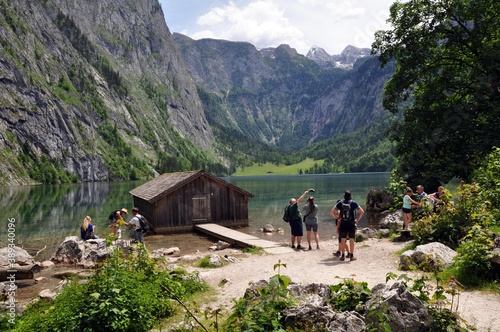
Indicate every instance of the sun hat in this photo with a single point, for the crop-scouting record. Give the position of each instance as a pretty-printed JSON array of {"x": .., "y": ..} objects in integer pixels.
[{"x": 124, "y": 210}]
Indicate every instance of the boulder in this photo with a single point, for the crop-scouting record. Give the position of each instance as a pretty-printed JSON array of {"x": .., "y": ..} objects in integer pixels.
[
  {"x": 392, "y": 220},
  {"x": 215, "y": 260},
  {"x": 310, "y": 316},
  {"x": 314, "y": 311},
  {"x": 404, "y": 311},
  {"x": 268, "y": 228},
  {"x": 432, "y": 255},
  {"x": 86, "y": 254},
  {"x": 165, "y": 252},
  {"x": 15, "y": 255}
]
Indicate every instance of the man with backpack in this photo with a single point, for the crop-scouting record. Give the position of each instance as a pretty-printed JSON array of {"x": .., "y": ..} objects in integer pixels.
[
  {"x": 139, "y": 225},
  {"x": 292, "y": 213},
  {"x": 345, "y": 212}
]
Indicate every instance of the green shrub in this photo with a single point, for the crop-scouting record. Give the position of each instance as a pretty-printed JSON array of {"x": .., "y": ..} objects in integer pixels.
[
  {"x": 125, "y": 294},
  {"x": 473, "y": 260},
  {"x": 453, "y": 221},
  {"x": 263, "y": 312},
  {"x": 350, "y": 295}
]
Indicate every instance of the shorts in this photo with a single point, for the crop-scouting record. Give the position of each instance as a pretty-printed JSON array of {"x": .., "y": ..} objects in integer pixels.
[
  {"x": 347, "y": 234},
  {"x": 314, "y": 227},
  {"x": 405, "y": 210},
  {"x": 348, "y": 230},
  {"x": 296, "y": 226}
]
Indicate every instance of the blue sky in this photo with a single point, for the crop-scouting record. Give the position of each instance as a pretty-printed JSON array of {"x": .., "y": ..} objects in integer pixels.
[{"x": 329, "y": 24}]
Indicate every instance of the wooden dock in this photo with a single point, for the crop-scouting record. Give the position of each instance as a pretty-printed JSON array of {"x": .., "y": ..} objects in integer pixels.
[{"x": 241, "y": 239}]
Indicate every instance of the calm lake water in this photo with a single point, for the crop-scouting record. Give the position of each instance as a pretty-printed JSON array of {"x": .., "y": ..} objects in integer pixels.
[{"x": 44, "y": 215}]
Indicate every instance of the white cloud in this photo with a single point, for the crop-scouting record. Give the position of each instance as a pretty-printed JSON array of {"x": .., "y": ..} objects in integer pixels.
[{"x": 330, "y": 24}]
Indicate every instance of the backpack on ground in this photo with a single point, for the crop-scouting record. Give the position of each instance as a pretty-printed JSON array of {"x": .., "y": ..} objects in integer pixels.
[
  {"x": 144, "y": 224},
  {"x": 347, "y": 213},
  {"x": 286, "y": 216}
]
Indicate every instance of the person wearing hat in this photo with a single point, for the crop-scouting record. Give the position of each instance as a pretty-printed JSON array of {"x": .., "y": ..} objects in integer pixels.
[
  {"x": 116, "y": 219},
  {"x": 345, "y": 212}
]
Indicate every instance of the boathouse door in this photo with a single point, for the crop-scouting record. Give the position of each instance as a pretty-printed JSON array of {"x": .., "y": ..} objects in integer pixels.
[{"x": 201, "y": 209}]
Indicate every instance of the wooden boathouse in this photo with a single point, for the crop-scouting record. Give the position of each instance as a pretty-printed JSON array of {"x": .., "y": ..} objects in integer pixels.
[{"x": 176, "y": 202}]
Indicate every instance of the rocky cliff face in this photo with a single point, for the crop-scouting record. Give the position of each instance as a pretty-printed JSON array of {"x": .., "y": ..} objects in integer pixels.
[
  {"x": 69, "y": 70},
  {"x": 101, "y": 90},
  {"x": 281, "y": 97}
]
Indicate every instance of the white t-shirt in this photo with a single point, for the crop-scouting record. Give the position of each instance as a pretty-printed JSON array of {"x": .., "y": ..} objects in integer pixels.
[{"x": 135, "y": 221}]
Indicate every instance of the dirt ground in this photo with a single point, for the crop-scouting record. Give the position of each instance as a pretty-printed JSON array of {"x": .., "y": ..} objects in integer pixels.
[{"x": 375, "y": 258}]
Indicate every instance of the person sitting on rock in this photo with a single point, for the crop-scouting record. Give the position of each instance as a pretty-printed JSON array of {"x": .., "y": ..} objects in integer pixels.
[{"x": 87, "y": 229}]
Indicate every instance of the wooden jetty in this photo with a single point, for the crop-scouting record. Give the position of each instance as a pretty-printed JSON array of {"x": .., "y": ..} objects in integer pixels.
[{"x": 241, "y": 239}]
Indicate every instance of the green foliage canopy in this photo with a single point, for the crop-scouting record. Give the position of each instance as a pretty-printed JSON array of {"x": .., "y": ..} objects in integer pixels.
[{"x": 446, "y": 83}]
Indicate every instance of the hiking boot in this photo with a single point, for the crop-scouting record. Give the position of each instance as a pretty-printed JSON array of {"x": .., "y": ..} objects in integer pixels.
[
  {"x": 293, "y": 246},
  {"x": 342, "y": 258},
  {"x": 317, "y": 247},
  {"x": 349, "y": 255},
  {"x": 310, "y": 248},
  {"x": 352, "y": 258},
  {"x": 336, "y": 254},
  {"x": 300, "y": 247}
]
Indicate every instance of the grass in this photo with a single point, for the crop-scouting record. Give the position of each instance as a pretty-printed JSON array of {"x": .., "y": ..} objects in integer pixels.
[{"x": 270, "y": 168}]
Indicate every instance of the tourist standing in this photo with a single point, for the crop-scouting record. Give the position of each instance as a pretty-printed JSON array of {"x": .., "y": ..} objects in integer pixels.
[
  {"x": 345, "y": 212},
  {"x": 408, "y": 204},
  {"x": 138, "y": 234},
  {"x": 296, "y": 221},
  {"x": 311, "y": 221},
  {"x": 116, "y": 219}
]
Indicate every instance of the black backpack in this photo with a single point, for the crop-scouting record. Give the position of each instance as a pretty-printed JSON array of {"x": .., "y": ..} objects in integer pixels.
[
  {"x": 144, "y": 224},
  {"x": 346, "y": 212},
  {"x": 286, "y": 216}
]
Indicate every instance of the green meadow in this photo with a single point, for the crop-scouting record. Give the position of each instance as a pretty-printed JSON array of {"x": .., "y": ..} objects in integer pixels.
[{"x": 270, "y": 168}]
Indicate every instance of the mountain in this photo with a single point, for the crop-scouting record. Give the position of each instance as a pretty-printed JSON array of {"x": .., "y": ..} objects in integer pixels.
[
  {"x": 94, "y": 88},
  {"x": 93, "y": 91},
  {"x": 280, "y": 97},
  {"x": 345, "y": 60}
]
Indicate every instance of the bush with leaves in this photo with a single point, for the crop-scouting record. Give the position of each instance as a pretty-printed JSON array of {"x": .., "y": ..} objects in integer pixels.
[
  {"x": 434, "y": 298},
  {"x": 453, "y": 221},
  {"x": 473, "y": 260},
  {"x": 349, "y": 295},
  {"x": 397, "y": 188},
  {"x": 488, "y": 177},
  {"x": 262, "y": 313},
  {"x": 127, "y": 293}
]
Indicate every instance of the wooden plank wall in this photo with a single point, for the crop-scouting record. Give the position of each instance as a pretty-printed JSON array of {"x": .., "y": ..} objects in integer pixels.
[{"x": 174, "y": 212}]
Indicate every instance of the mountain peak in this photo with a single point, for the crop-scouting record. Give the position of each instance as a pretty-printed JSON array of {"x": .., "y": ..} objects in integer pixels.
[{"x": 345, "y": 59}]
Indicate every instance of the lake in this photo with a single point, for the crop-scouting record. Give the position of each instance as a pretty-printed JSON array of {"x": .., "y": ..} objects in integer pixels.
[{"x": 45, "y": 214}]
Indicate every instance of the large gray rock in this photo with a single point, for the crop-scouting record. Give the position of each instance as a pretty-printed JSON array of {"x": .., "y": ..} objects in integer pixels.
[
  {"x": 393, "y": 220},
  {"x": 86, "y": 254},
  {"x": 404, "y": 311},
  {"x": 15, "y": 255},
  {"x": 309, "y": 316},
  {"x": 432, "y": 255}
]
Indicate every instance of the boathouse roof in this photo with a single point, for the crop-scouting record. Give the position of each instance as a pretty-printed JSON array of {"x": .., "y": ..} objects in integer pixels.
[{"x": 167, "y": 183}]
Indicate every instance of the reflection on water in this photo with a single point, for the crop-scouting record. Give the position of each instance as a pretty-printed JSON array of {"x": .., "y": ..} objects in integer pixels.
[{"x": 46, "y": 214}]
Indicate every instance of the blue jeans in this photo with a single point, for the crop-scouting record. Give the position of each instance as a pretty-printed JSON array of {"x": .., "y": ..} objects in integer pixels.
[{"x": 139, "y": 236}]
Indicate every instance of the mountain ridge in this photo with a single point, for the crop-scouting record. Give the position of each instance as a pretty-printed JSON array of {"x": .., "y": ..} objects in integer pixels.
[{"x": 103, "y": 91}]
